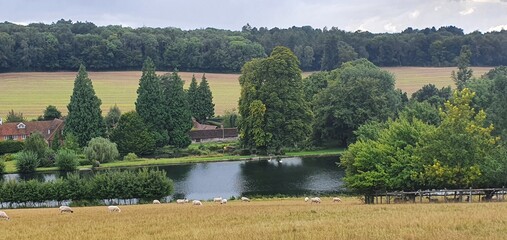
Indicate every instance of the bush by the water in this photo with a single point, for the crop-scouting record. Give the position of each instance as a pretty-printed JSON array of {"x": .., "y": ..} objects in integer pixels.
[
  {"x": 11, "y": 146},
  {"x": 102, "y": 150},
  {"x": 143, "y": 184},
  {"x": 66, "y": 160},
  {"x": 27, "y": 162},
  {"x": 130, "y": 157}
]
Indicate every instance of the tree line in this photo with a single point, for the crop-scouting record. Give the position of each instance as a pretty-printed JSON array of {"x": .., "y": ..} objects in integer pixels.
[{"x": 65, "y": 45}]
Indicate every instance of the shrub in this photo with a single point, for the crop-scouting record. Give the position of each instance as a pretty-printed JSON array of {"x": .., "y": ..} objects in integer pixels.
[
  {"x": 27, "y": 162},
  {"x": 2, "y": 166},
  {"x": 36, "y": 144},
  {"x": 48, "y": 159},
  {"x": 130, "y": 157},
  {"x": 8, "y": 157},
  {"x": 101, "y": 149},
  {"x": 11, "y": 146},
  {"x": 66, "y": 160}
]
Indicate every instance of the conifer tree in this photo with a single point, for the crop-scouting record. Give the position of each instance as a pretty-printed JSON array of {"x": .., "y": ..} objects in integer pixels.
[
  {"x": 149, "y": 104},
  {"x": 179, "y": 120},
  {"x": 84, "y": 119},
  {"x": 132, "y": 136},
  {"x": 193, "y": 100},
  {"x": 206, "y": 106}
]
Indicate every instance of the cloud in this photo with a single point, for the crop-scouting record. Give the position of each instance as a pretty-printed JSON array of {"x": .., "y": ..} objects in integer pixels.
[
  {"x": 467, "y": 11},
  {"x": 497, "y": 28},
  {"x": 390, "y": 27},
  {"x": 415, "y": 14}
]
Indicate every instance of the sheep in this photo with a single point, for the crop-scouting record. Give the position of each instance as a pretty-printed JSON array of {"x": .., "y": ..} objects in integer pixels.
[
  {"x": 197, "y": 203},
  {"x": 306, "y": 199},
  {"x": 245, "y": 199},
  {"x": 432, "y": 200},
  {"x": 224, "y": 201},
  {"x": 113, "y": 209},
  {"x": 217, "y": 199},
  {"x": 156, "y": 201},
  {"x": 66, "y": 209},
  {"x": 336, "y": 199},
  {"x": 181, "y": 201},
  {"x": 315, "y": 200},
  {"x": 4, "y": 215}
]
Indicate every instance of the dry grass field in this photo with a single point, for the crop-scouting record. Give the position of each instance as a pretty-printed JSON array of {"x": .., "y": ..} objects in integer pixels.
[
  {"x": 31, "y": 92},
  {"x": 263, "y": 219}
]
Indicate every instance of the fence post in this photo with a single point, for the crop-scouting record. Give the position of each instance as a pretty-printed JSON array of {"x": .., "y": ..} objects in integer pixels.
[{"x": 470, "y": 196}]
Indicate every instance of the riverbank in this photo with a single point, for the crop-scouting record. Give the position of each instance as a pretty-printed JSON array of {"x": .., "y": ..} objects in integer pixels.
[
  {"x": 282, "y": 218},
  {"x": 10, "y": 167}
]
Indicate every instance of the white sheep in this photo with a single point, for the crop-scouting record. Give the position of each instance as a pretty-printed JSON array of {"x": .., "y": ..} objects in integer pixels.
[
  {"x": 224, "y": 201},
  {"x": 245, "y": 199},
  {"x": 217, "y": 199},
  {"x": 156, "y": 201},
  {"x": 197, "y": 202},
  {"x": 306, "y": 199},
  {"x": 336, "y": 199},
  {"x": 4, "y": 215},
  {"x": 66, "y": 209},
  {"x": 315, "y": 200},
  {"x": 181, "y": 201},
  {"x": 113, "y": 209}
]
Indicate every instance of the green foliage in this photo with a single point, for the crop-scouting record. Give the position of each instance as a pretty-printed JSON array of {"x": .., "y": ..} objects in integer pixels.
[
  {"x": 56, "y": 143},
  {"x": 433, "y": 95},
  {"x": 51, "y": 112},
  {"x": 193, "y": 98},
  {"x": 36, "y": 144},
  {"x": 2, "y": 166},
  {"x": 66, "y": 160},
  {"x": 150, "y": 103},
  {"x": 84, "y": 120},
  {"x": 498, "y": 107},
  {"x": 313, "y": 84},
  {"x": 26, "y": 162},
  {"x": 112, "y": 118},
  {"x": 272, "y": 106},
  {"x": 423, "y": 111},
  {"x": 14, "y": 117},
  {"x": 101, "y": 149},
  {"x": 132, "y": 135},
  {"x": 358, "y": 92},
  {"x": 11, "y": 146},
  {"x": 70, "y": 142},
  {"x": 205, "y": 100},
  {"x": 143, "y": 184},
  {"x": 464, "y": 73},
  {"x": 130, "y": 157},
  {"x": 230, "y": 119},
  {"x": 179, "y": 119}
]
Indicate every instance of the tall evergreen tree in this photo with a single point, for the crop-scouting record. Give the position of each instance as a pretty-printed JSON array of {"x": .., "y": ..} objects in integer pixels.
[
  {"x": 272, "y": 105},
  {"x": 132, "y": 136},
  {"x": 84, "y": 119},
  {"x": 112, "y": 117},
  {"x": 179, "y": 120},
  {"x": 149, "y": 104},
  {"x": 464, "y": 72},
  {"x": 205, "y": 100},
  {"x": 192, "y": 97}
]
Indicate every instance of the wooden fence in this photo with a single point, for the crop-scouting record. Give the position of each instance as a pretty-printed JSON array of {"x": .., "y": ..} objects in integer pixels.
[{"x": 437, "y": 196}]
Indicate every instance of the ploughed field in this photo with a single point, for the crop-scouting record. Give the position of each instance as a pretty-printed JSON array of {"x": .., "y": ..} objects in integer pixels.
[
  {"x": 31, "y": 92},
  {"x": 264, "y": 219}
]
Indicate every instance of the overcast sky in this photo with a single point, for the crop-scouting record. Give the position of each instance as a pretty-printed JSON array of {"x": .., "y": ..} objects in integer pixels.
[{"x": 367, "y": 15}]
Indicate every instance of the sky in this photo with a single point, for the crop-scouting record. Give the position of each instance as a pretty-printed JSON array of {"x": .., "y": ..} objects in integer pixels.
[{"x": 377, "y": 16}]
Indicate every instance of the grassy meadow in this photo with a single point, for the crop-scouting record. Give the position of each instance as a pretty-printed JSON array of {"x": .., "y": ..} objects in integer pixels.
[
  {"x": 31, "y": 92},
  {"x": 264, "y": 219}
]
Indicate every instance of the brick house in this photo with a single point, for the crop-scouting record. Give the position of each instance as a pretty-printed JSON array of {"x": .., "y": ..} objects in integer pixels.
[{"x": 19, "y": 131}]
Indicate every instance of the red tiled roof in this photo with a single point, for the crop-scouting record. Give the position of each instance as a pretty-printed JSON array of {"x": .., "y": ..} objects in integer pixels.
[{"x": 11, "y": 129}]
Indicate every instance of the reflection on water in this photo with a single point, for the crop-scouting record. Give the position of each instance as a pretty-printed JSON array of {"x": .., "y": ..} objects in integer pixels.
[{"x": 288, "y": 176}]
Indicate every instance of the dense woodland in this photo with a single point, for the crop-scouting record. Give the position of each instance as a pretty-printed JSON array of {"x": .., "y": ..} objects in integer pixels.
[{"x": 65, "y": 45}]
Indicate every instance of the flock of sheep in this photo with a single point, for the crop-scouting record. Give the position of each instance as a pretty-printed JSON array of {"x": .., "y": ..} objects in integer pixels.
[{"x": 67, "y": 209}]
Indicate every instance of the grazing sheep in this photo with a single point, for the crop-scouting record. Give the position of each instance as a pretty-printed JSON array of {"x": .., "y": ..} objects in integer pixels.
[
  {"x": 245, "y": 199},
  {"x": 217, "y": 199},
  {"x": 336, "y": 199},
  {"x": 306, "y": 199},
  {"x": 197, "y": 202},
  {"x": 4, "y": 215},
  {"x": 66, "y": 209},
  {"x": 224, "y": 201},
  {"x": 113, "y": 209},
  {"x": 156, "y": 201},
  {"x": 181, "y": 201},
  {"x": 432, "y": 200},
  {"x": 315, "y": 200}
]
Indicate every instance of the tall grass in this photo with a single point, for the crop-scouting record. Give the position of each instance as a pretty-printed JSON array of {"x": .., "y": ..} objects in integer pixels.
[{"x": 264, "y": 219}]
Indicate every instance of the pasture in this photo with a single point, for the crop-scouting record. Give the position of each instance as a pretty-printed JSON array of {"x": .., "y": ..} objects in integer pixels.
[
  {"x": 30, "y": 92},
  {"x": 263, "y": 219}
]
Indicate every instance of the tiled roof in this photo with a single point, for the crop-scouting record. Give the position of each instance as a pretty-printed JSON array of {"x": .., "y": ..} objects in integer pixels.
[
  {"x": 10, "y": 129},
  {"x": 213, "y": 133}
]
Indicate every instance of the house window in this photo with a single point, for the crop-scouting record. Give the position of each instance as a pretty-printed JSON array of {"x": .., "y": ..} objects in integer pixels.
[
  {"x": 15, "y": 137},
  {"x": 8, "y": 137},
  {"x": 21, "y": 126},
  {"x": 23, "y": 136}
]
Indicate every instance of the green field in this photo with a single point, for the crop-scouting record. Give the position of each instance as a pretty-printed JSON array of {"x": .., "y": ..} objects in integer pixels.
[
  {"x": 31, "y": 92},
  {"x": 290, "y": 218}
]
